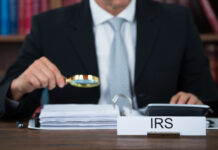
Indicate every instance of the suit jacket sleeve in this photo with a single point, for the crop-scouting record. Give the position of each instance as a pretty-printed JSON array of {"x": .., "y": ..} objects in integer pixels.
[
  {"x": 29, "y": 52},
  {"x": 195, "y": 75}
]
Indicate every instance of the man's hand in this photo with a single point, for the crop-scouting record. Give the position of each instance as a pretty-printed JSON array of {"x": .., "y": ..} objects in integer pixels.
[
  {"x": 185, "y": 98},
  {"x": 42, "y": 73}
]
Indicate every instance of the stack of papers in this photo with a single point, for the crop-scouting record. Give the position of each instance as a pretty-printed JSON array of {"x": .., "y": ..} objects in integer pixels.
[{"x": 75, "y": 116}]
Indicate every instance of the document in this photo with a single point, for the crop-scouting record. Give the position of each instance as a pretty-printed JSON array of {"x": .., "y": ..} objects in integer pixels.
[{"x": 76, "y": 116}]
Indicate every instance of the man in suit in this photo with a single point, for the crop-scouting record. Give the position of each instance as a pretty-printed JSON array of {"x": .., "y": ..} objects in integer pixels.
[{"x": 165, "y": 56}]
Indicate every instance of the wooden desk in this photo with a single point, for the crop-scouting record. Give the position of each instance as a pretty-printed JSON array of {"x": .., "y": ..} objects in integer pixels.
[{"x": 19, "y": 139}]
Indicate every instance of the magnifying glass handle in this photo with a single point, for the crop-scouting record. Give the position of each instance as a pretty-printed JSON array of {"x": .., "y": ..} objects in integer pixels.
[{"x": 68, "y": 80}]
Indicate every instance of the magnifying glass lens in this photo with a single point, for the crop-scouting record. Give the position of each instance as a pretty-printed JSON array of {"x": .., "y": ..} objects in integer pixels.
[{"x": 84, "y": 82}]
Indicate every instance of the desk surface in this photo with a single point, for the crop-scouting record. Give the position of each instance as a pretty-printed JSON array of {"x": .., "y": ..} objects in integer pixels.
[{"x": 19, "y": 139}]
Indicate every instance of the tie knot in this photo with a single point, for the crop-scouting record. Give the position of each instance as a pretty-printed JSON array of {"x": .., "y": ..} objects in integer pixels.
[{"x": 116, "y": 23}]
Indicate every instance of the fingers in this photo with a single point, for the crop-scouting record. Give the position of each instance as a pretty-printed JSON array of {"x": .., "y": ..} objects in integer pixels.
[
  {"x": 175, "y": 98},
  {"x": 185, "y": 98},
  {"x": 34, "y": 82},
  {"x": 42, "y": 73},
  {"x": 48, "y": 74},
  {"x": 195, "y": 100},
  {"x": 60, "y": 79}
]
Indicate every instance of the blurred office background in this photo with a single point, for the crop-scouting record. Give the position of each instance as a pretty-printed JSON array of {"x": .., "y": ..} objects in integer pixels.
[{"x": 15, "y": 24}]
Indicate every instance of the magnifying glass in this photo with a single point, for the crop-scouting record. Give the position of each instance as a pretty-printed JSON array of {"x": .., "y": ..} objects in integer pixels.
[{"x": 83, "y": 81}]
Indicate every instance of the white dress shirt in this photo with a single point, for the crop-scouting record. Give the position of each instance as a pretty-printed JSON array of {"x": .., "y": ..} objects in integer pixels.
[{"x": 103, "y": 40}]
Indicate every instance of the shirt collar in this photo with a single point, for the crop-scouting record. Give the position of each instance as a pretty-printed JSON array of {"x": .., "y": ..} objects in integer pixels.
[{"x": 99, "y": 15}]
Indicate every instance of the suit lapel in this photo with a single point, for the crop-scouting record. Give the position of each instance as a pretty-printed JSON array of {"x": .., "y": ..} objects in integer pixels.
[
  {"x": 80, "y": 32},
  {"x": 147, "y": 31}
]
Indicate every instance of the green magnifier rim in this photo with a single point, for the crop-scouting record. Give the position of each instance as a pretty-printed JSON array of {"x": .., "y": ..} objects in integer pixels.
[{"x": 77, "y": 80}]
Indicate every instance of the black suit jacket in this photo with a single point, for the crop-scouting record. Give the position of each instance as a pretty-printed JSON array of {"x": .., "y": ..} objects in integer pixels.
[{"x": 169, "y": 55}]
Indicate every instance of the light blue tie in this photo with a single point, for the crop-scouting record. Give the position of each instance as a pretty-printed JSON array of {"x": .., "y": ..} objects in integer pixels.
[{"x": 119, "y": 79}]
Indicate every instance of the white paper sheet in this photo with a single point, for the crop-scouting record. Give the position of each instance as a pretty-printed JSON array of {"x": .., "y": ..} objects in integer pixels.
[{"x": 73, "y": 116}]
